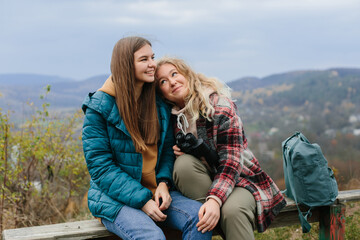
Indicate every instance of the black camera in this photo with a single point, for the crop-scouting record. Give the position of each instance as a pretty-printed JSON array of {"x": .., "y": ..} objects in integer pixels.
[{"x": 197, "y": 147}]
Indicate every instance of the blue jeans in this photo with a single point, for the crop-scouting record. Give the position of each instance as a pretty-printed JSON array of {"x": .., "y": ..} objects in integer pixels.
[{"x": 132, "y": 223}]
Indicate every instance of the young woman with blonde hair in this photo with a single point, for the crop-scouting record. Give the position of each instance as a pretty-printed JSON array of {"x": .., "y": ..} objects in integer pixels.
[
  {"x": 127, "y": 144},
  {"x": 233, "y": 188}
]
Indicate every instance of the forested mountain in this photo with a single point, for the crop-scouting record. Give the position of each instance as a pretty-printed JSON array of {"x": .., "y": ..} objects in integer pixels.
[
  {"x": 295, "y": 88},
  {"x": 331, "y": 96},
  {"x": 323, "y": 104},
  {"x": 65, "y": 94}
]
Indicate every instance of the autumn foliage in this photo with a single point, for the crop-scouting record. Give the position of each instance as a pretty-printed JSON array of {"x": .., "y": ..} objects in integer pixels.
[{"x": 43, "y": 175}]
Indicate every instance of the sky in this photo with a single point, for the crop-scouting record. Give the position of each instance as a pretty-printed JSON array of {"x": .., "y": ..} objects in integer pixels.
[{"x": 227, "y": 39}]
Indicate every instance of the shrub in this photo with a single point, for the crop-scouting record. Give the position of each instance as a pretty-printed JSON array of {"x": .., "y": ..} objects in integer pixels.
[{"x": 42, "y": 168}]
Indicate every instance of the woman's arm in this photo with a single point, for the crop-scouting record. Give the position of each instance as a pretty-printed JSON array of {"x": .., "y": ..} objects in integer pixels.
[
  {"x": 228, "y": 136},
  {"x": 167, "y": 158},
  {"x": 110, "y": 178},
  {"x": 164, "y": 171}
]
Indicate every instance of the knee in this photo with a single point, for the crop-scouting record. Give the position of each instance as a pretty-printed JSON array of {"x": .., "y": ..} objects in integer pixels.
[
  {"x": 148, "y": 232},
  {"x": 237, "y": 223},
  {"x": 183, "y": 167},
  {"x": 156, "y": 233},
  {"x": 237, "y": 213}
]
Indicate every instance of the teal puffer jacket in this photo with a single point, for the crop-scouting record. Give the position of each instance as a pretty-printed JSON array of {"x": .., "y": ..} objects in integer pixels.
[{"x": 114, "y": 165}]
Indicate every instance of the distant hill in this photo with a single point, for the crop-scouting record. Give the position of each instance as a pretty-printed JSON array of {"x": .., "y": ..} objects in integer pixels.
[
  {"x": 291, "y": 89},
  {"x": 29, "y": 79},
  {"x": 66, "y": 94},
  {"x": 71, "y": 95},
  {"x": 333, "y": 86},
  {"x": 328, "y": 97},
  {"x": 250, "y": 83}
]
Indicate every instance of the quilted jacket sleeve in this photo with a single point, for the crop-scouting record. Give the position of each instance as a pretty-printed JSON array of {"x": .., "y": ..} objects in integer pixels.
[
  {"x": 229, "y": 143},
  {"x": 167, "y": 158},
  {"x": 108, "y": 176}
]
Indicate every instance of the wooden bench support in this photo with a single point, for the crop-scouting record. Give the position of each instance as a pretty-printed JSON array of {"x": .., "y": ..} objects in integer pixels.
[{"x": 331, "y": 221}]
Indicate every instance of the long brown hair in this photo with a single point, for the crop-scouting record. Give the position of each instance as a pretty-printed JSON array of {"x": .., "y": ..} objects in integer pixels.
[{"x": 139, "y": 115}]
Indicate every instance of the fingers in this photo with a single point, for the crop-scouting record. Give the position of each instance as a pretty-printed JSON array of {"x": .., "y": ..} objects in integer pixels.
[
  {"x": 176, "y": 148},
  {"x": 201, "y": 212},
  {"x": 162, "y": 192},
  {"x": 177, "y": 151},
  {"x": 166, "y": 201},
  {"x": 203, "y": 222},
  {"x": 153, "y": 211},
  {"x": 177, "y": 154},
  {"x": 207, "y": 223},
  {"x": 157, "y": 216},
  {"x": 209, "y": 215},
  {"x": 157, "y": 199}
]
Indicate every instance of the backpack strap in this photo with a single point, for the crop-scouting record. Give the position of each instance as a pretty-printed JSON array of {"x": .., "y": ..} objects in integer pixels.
[
  {"x": 303, "y": 217},
  {"x": 286, "y": 152}
]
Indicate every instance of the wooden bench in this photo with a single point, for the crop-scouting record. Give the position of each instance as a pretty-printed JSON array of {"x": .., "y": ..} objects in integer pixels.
[{"x": 331, "y": 220}]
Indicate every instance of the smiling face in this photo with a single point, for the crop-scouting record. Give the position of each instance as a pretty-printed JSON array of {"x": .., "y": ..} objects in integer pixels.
[
  {"x": 144, "y": 65},
  {"x": 172, "y": 84}
]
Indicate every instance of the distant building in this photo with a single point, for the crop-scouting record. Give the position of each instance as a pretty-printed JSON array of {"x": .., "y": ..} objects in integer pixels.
[
  {"x": 354, "y": 118},
  {"x": 265, "y": 153},
  {"x": 330, "y": 133},
  {"x": 356, "y": 132},
  {"x": 273, "y": 130}
]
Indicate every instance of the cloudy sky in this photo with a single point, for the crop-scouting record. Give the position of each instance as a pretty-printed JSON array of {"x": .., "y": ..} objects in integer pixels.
[{"x": 227, "y": 39}]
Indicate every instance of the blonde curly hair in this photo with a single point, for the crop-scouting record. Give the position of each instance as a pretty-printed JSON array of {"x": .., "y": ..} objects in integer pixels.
[{"x": 197, "y": 101}]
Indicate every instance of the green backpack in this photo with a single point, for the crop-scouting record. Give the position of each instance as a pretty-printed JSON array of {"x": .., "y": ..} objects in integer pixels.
[{"x": 308, "y": 179}]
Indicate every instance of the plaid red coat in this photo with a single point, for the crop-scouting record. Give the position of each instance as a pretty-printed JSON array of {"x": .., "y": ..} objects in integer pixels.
[{"x": 238, "y": 166}]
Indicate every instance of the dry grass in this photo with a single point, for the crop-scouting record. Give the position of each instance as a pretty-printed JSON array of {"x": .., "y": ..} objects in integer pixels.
[{"x": 352, "y": 230}]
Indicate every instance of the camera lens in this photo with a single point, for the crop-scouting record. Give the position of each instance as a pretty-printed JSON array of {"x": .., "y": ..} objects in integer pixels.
[
  {"x": 180, "y": 138},
  {"x": 190, "y": 138}
]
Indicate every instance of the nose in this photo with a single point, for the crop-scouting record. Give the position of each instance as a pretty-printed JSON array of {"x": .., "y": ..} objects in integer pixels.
[
  {"x": 172, "y": 81},
  {"x": 152, "y": 63}
]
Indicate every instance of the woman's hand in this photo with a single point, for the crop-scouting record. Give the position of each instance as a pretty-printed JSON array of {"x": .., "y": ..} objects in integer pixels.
[
  {"x": 162, "y": 192},
  {"x": 151, "y": 208},
  {"x": 209, "y": 215},
  {"x": 177, "y": 151}
]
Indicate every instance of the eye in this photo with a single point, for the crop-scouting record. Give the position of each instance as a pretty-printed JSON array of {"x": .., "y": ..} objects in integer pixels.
[
  {"x": 174, "y": 74},
  {"x": 162, "y": 81}
]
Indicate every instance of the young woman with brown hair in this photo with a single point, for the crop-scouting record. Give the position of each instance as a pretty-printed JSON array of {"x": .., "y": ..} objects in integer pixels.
[{"x": 127, "y": 144}]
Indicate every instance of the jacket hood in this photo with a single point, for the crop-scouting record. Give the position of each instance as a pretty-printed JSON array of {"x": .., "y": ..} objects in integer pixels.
[
  {"x": 105, "y": 105},
  {"x": 108, "y": 87}
]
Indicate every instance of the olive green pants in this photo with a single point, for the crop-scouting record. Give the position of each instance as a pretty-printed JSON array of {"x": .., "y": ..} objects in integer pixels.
[{"x": 237, "y": 215}]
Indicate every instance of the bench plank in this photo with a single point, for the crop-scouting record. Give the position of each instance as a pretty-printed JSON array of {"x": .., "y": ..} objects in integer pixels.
[
  {"x": 331, "y": 220},
  {"x": 88, "y": 229},
  {"x": 343, "y": 197},
  {"x": 288, "y": 218},
  {"x": 289, "y": 214},
  {"x": 348, "y": 196}
]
